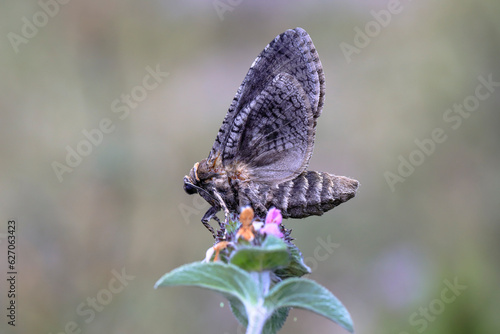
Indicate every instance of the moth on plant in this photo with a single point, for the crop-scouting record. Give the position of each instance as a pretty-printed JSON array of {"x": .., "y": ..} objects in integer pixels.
[{"x": 263, "y": 147}]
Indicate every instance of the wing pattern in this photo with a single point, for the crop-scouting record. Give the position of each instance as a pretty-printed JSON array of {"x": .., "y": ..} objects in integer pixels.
[{"x": 271, "y": 122}]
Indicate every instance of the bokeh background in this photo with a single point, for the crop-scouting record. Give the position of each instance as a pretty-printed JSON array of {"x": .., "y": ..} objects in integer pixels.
[{"x": 122, "y": 207}]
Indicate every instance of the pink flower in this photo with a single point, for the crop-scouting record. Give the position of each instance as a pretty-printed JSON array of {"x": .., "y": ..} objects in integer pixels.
[
  {"x": 272, "y": 229},
  {"x": 274, "y": 216},
  {"x": 273, "y": 221}
]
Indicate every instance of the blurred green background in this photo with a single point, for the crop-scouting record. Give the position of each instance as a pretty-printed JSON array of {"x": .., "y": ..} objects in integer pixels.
[{"x": 122, "y": 209}]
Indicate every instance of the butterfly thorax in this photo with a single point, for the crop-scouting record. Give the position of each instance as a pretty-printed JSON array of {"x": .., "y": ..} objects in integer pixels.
[{"x": 221, "y": 182}]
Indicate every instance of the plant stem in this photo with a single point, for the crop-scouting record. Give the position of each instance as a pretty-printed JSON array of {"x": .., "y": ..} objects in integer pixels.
[
  {"x": 263, "y": 279},
  {"x": 256, "y": 320},
  {"x": 258, "y": 314}
]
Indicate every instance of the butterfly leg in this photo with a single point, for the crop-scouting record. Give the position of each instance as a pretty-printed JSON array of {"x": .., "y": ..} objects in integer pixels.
[
  {"x": 211, "y": 213},
  {"x": 221, "y": 225},
  {"x": 224, "y": 207}
]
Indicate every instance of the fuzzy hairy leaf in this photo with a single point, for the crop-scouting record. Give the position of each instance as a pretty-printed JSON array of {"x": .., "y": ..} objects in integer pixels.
[
  {"x": 272, "y": 254},
  {"x": 225, "y": 278},
  {"x": 309, "y": 295},
  {"x": 296, "y": 267}
]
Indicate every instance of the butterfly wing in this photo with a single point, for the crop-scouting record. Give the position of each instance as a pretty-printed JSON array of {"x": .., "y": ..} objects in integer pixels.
[
  {"x": 270, "y": 124},
  {"x": 275, "y": 133}
]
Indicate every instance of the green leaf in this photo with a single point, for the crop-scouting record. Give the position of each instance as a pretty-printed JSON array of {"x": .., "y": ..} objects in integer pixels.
[
  {"x": 273, "y": 253},
  {"x": 276, "y": 321},
  {"x": 309, "y": 295},
  {"x": 238, "y": 310},
  {"x": 221, "y": 277},
  {"x": 296, "y": 267}
]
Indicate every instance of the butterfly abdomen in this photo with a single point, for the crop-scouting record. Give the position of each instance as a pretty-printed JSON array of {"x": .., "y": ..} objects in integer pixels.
[{"x": 311, "y": 193}]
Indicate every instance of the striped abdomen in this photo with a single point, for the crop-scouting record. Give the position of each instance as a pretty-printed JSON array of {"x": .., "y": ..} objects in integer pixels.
[{"x": 311, "y": 193}]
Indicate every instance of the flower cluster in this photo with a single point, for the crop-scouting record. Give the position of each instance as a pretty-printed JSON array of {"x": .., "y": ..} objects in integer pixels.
[
  {"x": 256, "y": 266},
  {"x": 247, "y": 230}
]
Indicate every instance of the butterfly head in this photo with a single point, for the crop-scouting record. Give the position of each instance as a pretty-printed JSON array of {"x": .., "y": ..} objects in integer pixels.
[{"x": 199, "y": 180}]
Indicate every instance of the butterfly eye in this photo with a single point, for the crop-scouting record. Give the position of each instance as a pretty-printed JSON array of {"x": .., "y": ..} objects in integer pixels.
[{"x": 189, "y": 188}]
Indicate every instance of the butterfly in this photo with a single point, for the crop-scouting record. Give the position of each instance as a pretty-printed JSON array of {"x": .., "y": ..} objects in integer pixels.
[{"x": 266, "y": 140}]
